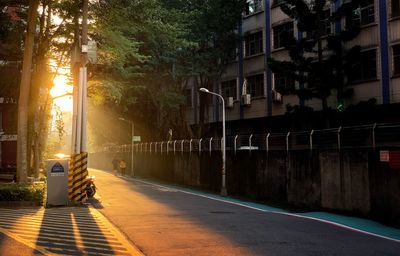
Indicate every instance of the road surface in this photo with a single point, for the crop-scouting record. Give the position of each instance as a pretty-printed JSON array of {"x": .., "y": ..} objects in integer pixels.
[{"x": 162, "y": 220}]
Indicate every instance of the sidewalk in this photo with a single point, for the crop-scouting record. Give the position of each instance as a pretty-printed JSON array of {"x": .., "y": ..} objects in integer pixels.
[
  {"x": 60, "y": 231},
  {"x": 10, "y": 245}
]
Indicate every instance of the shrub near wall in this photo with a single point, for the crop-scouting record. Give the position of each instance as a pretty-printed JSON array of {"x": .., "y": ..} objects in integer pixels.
[{"x": 32, "y": 194}]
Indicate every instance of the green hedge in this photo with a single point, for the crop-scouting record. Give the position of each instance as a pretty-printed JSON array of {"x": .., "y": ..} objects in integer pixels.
[{"x": 22, "y": 192}]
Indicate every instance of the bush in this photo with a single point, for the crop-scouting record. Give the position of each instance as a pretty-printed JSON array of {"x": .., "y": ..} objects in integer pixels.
[{"x": 22, "y": 192}]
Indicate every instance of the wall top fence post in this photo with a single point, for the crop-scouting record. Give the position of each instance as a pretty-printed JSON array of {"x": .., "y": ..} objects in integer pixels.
[
  {"x": 235, "y": 143},
  {"x": 373, "y": 136},
  {"x": 200, "y": 145},
  {"x": 287, "y": 142},
  {"x": 174, "y": 146},
  {"x": 311, "y": 140},
  {"x": 251, "y": 136},
  {"x": 210, "y": 145}
]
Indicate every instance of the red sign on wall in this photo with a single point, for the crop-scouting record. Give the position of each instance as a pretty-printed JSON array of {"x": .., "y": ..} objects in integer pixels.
[{"x": 384, "y": 155}]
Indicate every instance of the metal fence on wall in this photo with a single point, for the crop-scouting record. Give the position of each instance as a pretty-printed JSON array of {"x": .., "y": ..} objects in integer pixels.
[{"x": 364, "y": 136}]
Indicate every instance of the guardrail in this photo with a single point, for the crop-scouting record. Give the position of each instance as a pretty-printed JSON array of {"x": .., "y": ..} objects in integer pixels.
[{"x": 364, "y": 136}]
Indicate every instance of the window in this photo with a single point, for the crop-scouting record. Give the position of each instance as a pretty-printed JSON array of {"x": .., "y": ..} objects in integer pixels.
[
  {"x": 395, "y": 8},
  {"x": 396, "y": 59},
  {"x": 255, "y": 85},
  {"x": 253, "y": 6},
  {"x": 281, "y": 32},
  {"x": 228, "y": 89},
  {"x": 254, "y": 43},
  {"x": 188, "y": 96},
  {"x": 283, "y": 84},
  {"x": 365, "y": 69},
  {"x": 363, "y": 15}
]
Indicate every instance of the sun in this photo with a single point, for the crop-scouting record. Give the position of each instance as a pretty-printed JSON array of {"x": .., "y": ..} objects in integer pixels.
[{"x": 62, "y": 93}]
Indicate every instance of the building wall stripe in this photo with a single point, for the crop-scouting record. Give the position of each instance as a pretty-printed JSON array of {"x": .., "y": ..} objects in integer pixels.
[
  {"x": 338, "y": 25},
  {"x": 267, "y": 12},
  {"x": 301, "y": 85},
  {"x": 384, "y": 47},
  {"x": 240, "y": 67}
]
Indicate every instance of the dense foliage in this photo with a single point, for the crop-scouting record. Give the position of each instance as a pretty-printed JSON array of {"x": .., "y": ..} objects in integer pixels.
[
  {"x": 23, "y": 192},
  {"x": 149, "y": 50},
  {"x": 320, "y": 62}
]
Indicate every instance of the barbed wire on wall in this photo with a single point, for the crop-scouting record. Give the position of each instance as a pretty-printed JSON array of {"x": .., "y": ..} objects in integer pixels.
[{"x": 352, "y": 137}]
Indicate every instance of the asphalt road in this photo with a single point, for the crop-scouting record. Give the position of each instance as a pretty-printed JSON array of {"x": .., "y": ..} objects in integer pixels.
[{"x": 165, "y": 221}]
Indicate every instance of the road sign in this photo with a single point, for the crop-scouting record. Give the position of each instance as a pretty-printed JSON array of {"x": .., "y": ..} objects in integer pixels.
[
  {"x": 92, "y": 52},
  {"x": 136, "y": 139}
]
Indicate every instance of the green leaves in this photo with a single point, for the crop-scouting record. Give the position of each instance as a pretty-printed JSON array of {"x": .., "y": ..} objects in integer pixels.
[
  {"x": 148, "y": 50},
  {"x": 319, "y": 61}
]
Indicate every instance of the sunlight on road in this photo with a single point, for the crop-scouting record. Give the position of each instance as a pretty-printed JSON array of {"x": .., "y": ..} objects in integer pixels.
[{"x": 160, "y": 227}]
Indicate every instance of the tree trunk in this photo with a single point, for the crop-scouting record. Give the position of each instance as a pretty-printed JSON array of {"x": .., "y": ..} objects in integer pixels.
[{"x": 23, "y": 103}]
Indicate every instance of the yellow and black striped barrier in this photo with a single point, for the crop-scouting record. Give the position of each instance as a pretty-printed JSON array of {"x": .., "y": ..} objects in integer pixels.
[{"x": 77, "y": 177}]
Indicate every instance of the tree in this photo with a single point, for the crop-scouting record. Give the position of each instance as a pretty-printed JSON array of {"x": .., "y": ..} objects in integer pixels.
[
  {"x": 320, "y": 61},
  {"x": 213, "y": 33},
  {"x": 149, "y": 50},
  {"x": 139, "y": 44},
  {"x": 23, "y": 102}
]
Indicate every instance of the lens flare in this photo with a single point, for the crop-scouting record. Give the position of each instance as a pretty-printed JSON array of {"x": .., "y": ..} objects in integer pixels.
[{"x": 60, "y": 88}]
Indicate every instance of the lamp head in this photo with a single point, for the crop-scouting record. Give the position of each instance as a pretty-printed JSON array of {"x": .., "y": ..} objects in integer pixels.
[{"x": 202, "y": 89}]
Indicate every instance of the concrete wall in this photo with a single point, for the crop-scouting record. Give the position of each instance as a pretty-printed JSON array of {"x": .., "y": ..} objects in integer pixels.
[{"x": 354, "y": 181}]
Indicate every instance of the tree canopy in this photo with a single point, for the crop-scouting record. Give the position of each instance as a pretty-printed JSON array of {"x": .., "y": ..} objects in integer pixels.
[
  {"x": 150, "y": 49},
  {"x": 320, "y": 60}
]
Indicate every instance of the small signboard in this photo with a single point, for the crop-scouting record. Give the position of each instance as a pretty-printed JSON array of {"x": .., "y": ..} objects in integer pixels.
[
  {"x": 92, "y": 52},
  {"x": 384, "y": 155},
  {"x": 57, "y": 170},
  {"x": 8, "y": 137},
  {"x": 136, "y": 139}
]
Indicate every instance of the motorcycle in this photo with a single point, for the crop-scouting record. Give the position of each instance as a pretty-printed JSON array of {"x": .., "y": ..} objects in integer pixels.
[{"x": 90, "y": 188}]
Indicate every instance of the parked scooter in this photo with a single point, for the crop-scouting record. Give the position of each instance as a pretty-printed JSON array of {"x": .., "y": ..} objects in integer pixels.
[{"x": 90, "y": 188}]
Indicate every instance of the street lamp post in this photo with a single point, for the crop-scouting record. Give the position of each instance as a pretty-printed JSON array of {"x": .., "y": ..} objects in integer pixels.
[
  {"x": 132, "y": 134},
  {"x": 223, "y": 187}
]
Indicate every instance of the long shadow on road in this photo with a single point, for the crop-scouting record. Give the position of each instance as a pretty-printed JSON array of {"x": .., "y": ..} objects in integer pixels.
[
  {"x": 187, "y": 224},
  {"x": 72, "y": 231}
]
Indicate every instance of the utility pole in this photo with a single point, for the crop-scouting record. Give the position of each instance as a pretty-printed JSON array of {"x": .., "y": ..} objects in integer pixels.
[
  {"x": 78, "y": 163},
  {"x": 84, "y": 59}
]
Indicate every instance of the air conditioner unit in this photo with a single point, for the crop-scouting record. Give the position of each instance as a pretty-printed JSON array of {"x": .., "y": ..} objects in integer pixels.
[
  {"x": 229, "y": 102},
  {"x": 276, "y": 96},
  {"x": 246, "y": 100}
]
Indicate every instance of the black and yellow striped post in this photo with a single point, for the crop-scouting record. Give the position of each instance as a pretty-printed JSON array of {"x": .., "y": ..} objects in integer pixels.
[{"x": 77, "y": 177}]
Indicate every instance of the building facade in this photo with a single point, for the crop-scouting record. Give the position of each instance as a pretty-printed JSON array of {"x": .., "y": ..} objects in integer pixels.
[
  {"x": 8, "y": 134},
  {"x": 248, "y": 85}
]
